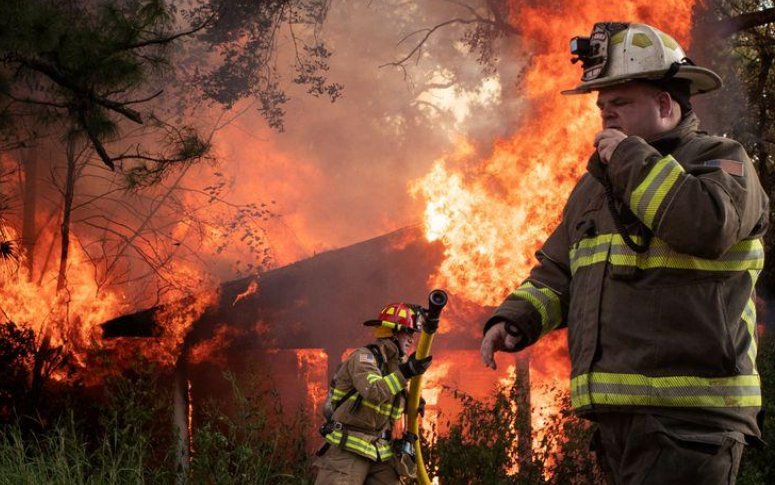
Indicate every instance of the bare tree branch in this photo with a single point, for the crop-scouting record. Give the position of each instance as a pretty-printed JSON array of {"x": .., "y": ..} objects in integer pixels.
[{"x": 746, "y": 21}]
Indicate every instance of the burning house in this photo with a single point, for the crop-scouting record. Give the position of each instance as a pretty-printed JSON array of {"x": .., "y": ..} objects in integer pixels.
[{"x": 295, "y": 324}]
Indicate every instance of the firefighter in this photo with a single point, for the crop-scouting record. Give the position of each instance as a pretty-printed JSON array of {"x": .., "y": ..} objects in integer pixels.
[
  {"x": 652, "y": 269},
  {"x": 368, "y": 394}
]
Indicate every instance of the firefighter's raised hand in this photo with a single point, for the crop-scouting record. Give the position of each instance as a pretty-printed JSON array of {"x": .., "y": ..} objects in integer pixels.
[
  {"x": 497, "y": 339},
  {"x": 414, "y": 366},
  {"x": 606, "y": 142}
]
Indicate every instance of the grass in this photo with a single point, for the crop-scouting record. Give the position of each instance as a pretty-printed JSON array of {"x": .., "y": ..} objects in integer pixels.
[{"x": 244, "y": 438}]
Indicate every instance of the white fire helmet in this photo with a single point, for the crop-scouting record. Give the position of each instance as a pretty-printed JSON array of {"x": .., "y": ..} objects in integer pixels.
[{"x": 616, "y": 53}]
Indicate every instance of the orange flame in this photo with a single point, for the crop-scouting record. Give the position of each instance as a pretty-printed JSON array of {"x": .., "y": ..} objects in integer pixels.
[
  {"x": 177, "y": 317},
  {"x": 213, "y": 349},
  {"x": 69, "y": 318},
  {"x": 311, "y": 364},
  {"x": 250, "y": 290}
]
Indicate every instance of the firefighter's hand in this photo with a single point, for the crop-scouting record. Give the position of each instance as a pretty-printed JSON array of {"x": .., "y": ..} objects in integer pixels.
[
  {"x": 414, "y": 366},
  {"x": 606, "y": 142},
  {"x": 497, "y": 339}
]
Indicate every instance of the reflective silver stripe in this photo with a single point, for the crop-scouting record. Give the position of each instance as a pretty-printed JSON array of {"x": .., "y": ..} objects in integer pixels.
[
  {"x": 545, "y": 301},
  {"x": 749, "y": 317},
  {"x": 605, "y": 388},
  {"x": 743, "y": 256},
  {"x": 590, "y": 251},
  {"x": 647, "y": 197}
]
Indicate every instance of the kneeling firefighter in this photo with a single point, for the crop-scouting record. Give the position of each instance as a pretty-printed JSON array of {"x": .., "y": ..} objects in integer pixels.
[{"x": 367, "y": 395}]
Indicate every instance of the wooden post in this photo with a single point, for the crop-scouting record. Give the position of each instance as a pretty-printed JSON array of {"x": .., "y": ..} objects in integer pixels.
[
  {"x": 181, "y": 418},
  {"x": 524, "y": 421}
]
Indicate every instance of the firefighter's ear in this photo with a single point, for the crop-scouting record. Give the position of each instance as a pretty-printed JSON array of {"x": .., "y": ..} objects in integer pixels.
[{"x": 666, "y": 104}]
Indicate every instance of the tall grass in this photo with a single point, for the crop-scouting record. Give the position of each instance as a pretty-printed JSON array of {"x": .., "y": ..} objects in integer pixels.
[
  {"x": 62, "y": 456},
  {"x": 129, "y": 439}
]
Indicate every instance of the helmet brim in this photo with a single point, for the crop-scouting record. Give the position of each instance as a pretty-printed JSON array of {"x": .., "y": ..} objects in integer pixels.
[
  {"x": 378, "y": 323},
  {"x": 702, "y": 80}
]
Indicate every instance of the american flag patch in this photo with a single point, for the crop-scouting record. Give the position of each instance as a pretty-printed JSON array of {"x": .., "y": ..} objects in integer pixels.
[
  {"x": 732, "y": 167},
  {"x": 366, "y": 358}
]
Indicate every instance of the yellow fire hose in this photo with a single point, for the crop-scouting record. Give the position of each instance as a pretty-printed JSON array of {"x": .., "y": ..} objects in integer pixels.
[{"x": 436, "y": 301}]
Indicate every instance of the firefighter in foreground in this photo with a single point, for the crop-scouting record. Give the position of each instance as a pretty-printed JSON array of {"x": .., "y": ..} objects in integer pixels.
[
  {"x": 652, "y": 270},
  {"x": 368, "y": 396}
]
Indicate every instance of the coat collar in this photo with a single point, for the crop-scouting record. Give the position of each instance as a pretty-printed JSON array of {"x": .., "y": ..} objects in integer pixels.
[
  {"x": 389, "y": 348},
  {"x": 668, "y": 141}
]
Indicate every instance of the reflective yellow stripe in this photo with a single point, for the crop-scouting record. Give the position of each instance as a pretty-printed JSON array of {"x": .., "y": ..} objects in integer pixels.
[
  {"x": 383, "y": 408},
  {"x": 397, "y": 412},
  {"x": 393, "y": 383},
  {"x": 372, "y": 378},
  {"x": 339, "y": 393},
  {"x": 749, "y": 317},
  {"x": 361, "y": 446},
  {"x": 605, "y": 388},
  {"x": 391, "y": 380},
  {"x": 743, "y": 256},
  {"x": 591, "y": 251},
  {"x": 647, "y": 197},
  {"x": 545, "y": 301}
]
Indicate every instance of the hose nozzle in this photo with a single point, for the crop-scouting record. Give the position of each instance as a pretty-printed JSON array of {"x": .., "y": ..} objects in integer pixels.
[{"x": 437, "y": 299}]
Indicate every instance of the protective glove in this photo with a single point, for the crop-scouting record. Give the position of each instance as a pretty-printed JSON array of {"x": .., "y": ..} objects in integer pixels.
[{"x": 414, "y": 367}]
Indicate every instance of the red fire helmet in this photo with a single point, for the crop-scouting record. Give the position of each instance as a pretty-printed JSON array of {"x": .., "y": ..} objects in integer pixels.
[{"x": 394, "y": 318}]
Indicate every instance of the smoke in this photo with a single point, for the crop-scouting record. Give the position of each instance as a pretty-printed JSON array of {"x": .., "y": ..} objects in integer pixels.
[{"x": 339, "y": 173}]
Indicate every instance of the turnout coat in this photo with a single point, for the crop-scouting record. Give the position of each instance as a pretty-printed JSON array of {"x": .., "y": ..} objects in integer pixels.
[
  {"x": 364, "y": 422},
  {"x": 671, "y": 330}
]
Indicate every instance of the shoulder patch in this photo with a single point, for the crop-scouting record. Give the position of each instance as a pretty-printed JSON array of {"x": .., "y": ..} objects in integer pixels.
[
  {"x": 366, "y": 357},
  {"x": 732, "y": 167}
]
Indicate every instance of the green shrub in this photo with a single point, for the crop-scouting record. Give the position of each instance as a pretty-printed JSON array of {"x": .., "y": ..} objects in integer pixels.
[
  {"x": 252, "y": 444},
  {"x": 481, "y": 445}
]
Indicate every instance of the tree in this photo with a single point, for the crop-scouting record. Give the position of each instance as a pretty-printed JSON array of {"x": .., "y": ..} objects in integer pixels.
[
  {"x": 485, "y": 24},
  {"x": 102, "y": 82},
  {"x": 740, "y": 44}
]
